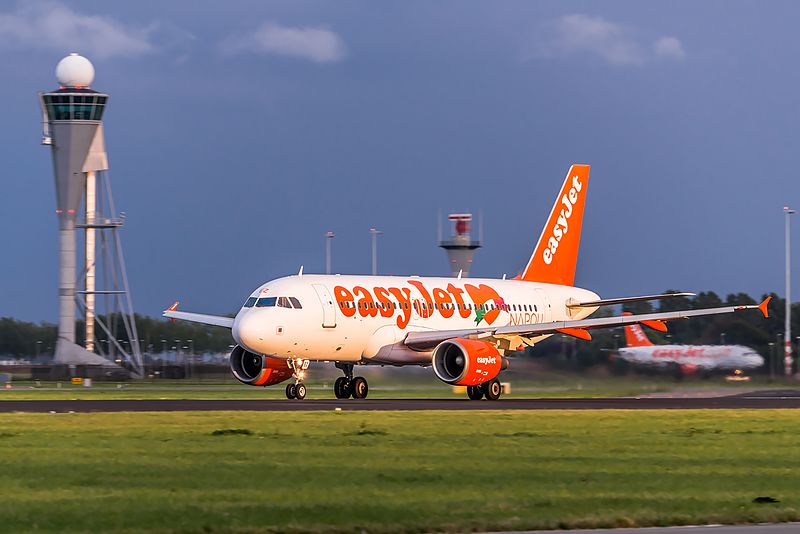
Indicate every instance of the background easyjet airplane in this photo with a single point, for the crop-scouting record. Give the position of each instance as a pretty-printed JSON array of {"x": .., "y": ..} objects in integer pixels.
[
  {"x": 463, "y": 328},
  {"x": 687, "y": 359}
]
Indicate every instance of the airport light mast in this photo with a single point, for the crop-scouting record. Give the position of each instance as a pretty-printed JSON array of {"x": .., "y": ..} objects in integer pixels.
[
  {"x": 72, "y": 122},
  {"x": 787, "y": 336},
  {"x": 374, "y": 233},
  {"x": 328, "y": 238}
]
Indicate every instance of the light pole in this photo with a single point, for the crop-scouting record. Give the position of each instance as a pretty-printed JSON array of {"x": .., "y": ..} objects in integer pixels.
[
  {"x": 179, "y": 356},
  {"x": 787, "y": 337},
  {"x": 328, "y": 238},
  {"x": 191, "y": 357},
  {"x": 374, "y": 233},
  {"x": 771, "y": 360}
]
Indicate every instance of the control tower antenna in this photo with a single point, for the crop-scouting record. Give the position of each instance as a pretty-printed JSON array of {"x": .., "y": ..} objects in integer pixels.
[
  {"x": 73, "y": 128},
  {"x": 460, "y": 247}
]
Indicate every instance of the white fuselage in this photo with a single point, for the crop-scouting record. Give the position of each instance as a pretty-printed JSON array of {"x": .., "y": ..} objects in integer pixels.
[
  {"x": 366, "y": 318},
  {"x": 699, "y": 356}
]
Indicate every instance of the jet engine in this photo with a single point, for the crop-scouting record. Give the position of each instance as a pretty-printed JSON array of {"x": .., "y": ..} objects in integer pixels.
[
  {"x": 257, "y": 370},
  {"x": 466, "y": 362}
]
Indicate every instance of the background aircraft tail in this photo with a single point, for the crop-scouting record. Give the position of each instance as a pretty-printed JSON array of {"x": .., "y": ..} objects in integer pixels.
[
  {"x": 635, "y": 336},
  {"x": 556, "y": 254}
]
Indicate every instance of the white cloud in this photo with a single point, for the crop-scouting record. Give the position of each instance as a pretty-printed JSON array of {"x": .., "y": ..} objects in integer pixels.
[
  {"x": 54, "y": 26},
  {"x": 611, "y": 42},
  {"x": 317, "y": 44},
  {"x": 669, "y": 48},
  {"x": 595, "y": 35}
]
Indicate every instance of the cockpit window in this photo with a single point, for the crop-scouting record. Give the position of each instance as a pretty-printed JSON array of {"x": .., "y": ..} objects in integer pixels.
[
  {"x": 250, "y": 302},
  {"x": 266, "y": 302},
  {"x": 283, "y": 302},
  {"x": 296, "y": 303}
]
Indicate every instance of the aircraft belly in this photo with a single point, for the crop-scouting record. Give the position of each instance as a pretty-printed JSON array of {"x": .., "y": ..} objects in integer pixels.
[{"x": 399, "y": 354}]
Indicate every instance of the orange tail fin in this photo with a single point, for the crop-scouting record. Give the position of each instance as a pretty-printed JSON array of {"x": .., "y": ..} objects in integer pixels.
[
  {"x": 556, "y": 254},
  {"x": 635, "y": 336}
]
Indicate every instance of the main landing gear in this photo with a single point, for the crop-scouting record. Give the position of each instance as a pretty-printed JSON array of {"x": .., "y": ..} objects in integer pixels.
[
  {"x": 347, "y": 386},
  {"x": 297, "y": 390},
  {"x": 491, "y": 390}
]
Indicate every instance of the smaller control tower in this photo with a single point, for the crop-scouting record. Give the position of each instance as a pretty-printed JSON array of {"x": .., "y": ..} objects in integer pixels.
[{"x": 460, "y": 247}]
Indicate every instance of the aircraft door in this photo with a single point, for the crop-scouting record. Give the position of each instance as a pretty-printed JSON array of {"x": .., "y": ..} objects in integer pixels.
[
  {"x": 543, "y": 302},
  {"x": 328, "y": 308}
]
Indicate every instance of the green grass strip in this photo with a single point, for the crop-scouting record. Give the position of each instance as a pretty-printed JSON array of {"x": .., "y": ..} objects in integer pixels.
[{"x": 248, "y": 472}]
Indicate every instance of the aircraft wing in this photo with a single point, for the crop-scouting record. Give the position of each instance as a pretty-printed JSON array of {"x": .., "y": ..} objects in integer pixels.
[
  {"x": 429, "y": 339},
  {"x": 213, "y": 320}
]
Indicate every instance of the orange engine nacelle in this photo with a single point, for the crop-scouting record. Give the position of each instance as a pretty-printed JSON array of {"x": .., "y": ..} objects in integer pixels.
[
  {"x": 688, "y": 369},
  {"x": 466, "y": 362},
  {"x": 256, "y": 370}
]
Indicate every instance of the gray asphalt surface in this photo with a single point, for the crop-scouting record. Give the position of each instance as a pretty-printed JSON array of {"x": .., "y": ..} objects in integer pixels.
[
  {"x": 755, "y": 400},
  {"x": 782, "y": 528}
]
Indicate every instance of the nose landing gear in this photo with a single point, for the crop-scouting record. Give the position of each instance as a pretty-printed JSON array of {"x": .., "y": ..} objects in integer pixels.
[
  {"x": 348, "y": 386},
  {"x": 298, "y": 389}
]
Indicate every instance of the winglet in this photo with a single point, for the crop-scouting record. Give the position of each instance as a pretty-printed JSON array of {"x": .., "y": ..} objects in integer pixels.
[
  {"x": 763, "y": 306},
  {"x": 172, "y": 308}
]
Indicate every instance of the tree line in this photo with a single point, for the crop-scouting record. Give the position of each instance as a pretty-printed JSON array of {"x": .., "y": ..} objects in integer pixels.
[{"x": 20, "y": 339}]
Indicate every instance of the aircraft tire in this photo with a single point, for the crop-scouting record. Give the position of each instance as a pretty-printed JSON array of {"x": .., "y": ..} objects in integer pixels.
[
  {"x": 291, "y": 391},
  {"x": 474, "y": 392},
  {"x": 300, "y": 391},
  {"x": 340, "y": 388},
  {"x": 359, "y": 388},
  {"x": 492, "y": 389}
]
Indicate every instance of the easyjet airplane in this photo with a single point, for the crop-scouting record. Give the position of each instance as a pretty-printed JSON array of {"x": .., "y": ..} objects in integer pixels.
[
  {"x": 686, "y": 358},
  {"x": 463, "y": 328}
]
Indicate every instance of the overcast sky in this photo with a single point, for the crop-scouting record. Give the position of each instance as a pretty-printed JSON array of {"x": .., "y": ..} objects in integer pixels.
[{"x": 240, "y": 132}]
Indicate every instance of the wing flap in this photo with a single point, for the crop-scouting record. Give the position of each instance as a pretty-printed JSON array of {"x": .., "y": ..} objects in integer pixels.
[{"x": 625, "y": 300}]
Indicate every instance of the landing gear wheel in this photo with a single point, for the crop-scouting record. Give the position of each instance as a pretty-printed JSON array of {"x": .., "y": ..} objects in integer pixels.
[
  {"x": 359, "y": 388},
  {"x": 492, "y": 389},
  {"x": 340, "y": 388},
  {"x": 474, "y": 392},
  {"x": 300, "y": 391},
  {"x": 291, "y": 391}
]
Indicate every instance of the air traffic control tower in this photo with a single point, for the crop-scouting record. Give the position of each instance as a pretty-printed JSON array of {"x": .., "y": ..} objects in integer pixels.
[
  {"x": 72, "y": 118},
  {"x": 460, "y": 247}
]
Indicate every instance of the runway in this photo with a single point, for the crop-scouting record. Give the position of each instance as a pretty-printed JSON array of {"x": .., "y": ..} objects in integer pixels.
[{"x": 756, "y": 400}]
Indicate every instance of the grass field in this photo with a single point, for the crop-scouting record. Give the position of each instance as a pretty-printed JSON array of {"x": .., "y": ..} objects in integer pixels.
[{"x": 394, "y": 471}]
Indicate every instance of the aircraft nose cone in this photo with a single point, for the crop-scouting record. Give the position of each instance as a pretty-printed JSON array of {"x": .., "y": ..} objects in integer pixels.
[{"x": 246, "y": 331}]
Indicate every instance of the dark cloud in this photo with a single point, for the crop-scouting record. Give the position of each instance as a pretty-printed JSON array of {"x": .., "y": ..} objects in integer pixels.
[{"x": 231, "y": 167}]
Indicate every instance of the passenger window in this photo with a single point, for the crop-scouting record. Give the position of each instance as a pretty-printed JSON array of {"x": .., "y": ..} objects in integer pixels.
[
  {"x": 266, "y": 302},
  {"x": 295, "y": 303},
  {"x": 250, "y": 302}
]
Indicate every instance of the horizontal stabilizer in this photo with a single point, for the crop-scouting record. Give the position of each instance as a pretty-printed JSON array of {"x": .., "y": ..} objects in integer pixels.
[{"x": 625, "y": 300}]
